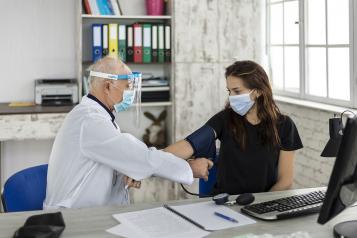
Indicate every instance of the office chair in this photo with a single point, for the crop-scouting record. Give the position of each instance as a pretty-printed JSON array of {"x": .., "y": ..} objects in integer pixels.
[
  {"x": 206, "y": 187},
  {"x": 25, "y": 190}
]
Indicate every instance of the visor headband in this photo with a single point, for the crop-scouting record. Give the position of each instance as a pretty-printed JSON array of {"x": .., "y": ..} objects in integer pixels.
[{"x": 110, "y": 76}]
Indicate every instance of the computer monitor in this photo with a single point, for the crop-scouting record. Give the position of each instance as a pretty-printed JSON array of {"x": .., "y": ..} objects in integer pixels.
[{"x": 342, "y": 187}]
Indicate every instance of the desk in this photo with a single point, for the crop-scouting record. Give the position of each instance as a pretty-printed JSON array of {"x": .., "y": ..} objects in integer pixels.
[
  {"x": 35, "y": 122},
  {"x": 92, "y": 222}
]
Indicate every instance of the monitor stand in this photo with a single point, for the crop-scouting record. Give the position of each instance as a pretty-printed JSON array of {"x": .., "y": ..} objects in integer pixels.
[{"x": 346, "y": 229}]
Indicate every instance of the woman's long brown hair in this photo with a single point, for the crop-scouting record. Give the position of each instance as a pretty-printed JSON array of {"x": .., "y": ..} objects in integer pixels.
[{"x": 254, "y": 77}]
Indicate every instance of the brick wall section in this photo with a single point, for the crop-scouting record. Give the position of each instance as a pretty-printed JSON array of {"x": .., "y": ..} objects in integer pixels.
[{"x": 311, "y": 170}]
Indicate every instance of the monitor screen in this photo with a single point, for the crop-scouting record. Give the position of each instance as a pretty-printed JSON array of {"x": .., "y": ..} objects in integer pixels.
[{"x": 344, "y": 172}]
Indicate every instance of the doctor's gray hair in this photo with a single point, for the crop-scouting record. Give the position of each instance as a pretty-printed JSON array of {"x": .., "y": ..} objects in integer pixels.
[{"x": 110, "y": 65}]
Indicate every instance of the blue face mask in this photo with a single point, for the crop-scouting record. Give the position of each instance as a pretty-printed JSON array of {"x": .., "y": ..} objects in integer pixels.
[
  {"x": 241, "y": 104},
  {"x": 128, "y": 99}
]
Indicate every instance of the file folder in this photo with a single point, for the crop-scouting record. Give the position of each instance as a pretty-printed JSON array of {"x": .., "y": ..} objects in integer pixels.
[
  {"x": 97, "y": 42},
  {"x": 138, "y": 43},
  {"x": 115, "y": 6},
  {"x": 104, "y": 7},
  {"x": 161, "y": 58},
  {"x": 113, "y": 39},
  {"x": 122, "y": 42},
  {"x": 147, "y": 43},
  {"x": 105, "y": 40},
  {"x": 167, "y": 43},
  {"x": 129, "y": 48},
  {"x": 154, "y": 50},
  {"x": 94, "y": 7},
  {"x": 87, "y": 7}
]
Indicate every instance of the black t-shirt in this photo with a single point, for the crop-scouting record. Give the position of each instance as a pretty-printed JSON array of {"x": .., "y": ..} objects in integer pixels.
[{"x": 256, "y": 168}]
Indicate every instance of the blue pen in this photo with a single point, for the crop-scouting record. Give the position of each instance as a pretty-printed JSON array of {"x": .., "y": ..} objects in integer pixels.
[{"x": 225, "y": 217}]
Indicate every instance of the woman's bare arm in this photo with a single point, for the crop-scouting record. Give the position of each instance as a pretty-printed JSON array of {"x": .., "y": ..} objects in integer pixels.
[
  {"x": 285, "y": 171},
  {"x": 181, "y": 149}
]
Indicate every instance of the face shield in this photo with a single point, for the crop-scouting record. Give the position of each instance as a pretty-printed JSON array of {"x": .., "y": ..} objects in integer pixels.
[{"x": 134, "y": 80}]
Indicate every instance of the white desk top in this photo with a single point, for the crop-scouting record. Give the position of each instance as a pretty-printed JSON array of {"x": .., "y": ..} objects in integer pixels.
[{"x": 92, "y": 222}]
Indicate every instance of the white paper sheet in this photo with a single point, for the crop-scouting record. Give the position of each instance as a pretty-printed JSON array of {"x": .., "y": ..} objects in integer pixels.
[
  {"x": 156, "y": 222},
  {"x": 299, "y": 234},
  {"x": 203, "y": 213},
  {"x": 124, "y": 231}
]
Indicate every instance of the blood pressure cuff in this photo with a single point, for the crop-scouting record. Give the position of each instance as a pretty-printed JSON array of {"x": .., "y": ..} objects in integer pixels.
[
  {"x": 50, "y": 225},
  {"x": 203, "y": 142}
]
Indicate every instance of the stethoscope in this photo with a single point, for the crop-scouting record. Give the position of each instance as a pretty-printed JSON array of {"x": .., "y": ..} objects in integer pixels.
[{"x": 219, "y": 199}]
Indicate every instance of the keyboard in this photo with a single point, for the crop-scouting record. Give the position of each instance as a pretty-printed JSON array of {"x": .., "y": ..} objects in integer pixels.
[{"x": 287, "y": 207}]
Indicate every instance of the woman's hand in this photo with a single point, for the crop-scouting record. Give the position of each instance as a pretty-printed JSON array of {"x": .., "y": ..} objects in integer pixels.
[{"x": 131, "y": 183}]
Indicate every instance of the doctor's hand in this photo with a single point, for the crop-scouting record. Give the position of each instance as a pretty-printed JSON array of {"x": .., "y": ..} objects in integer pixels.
[
  {"x": 200, "y": 167},
  {"x": 131, "y": 183}
]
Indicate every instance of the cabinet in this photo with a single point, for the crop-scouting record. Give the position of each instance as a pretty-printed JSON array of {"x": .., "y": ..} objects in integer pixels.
[{"x": 126, "y": 119}]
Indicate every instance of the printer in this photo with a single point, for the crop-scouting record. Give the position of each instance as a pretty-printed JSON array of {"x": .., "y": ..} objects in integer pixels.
[{"x": 56, "y": 92}]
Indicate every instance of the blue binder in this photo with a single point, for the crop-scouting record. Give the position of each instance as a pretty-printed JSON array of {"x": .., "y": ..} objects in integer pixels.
[{"x": 97, "y": 46}]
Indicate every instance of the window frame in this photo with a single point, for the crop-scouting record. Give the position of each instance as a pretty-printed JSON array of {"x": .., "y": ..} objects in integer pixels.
[{"x": 302, "y": 94}]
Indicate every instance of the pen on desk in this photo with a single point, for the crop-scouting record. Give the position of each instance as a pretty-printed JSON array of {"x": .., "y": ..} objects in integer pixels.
[{"x": 225, "y": 217}]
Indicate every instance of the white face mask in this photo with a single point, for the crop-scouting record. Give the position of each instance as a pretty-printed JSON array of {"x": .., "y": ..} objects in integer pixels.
[
  {"x": 241, "y": 104},
  {"x": 128, "y": 99}
]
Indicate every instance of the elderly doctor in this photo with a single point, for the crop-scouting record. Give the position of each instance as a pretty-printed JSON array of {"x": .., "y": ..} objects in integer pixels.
[{"x": 92, "y": 161}]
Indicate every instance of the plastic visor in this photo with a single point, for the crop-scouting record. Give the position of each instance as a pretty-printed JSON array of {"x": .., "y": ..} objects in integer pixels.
[{"x": 134, "y": 84}]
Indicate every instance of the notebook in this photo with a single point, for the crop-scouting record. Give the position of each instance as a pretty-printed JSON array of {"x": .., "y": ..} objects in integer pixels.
[{"x": 192, "y": 220}]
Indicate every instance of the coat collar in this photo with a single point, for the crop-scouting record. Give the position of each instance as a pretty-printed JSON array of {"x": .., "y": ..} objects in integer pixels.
[{"x": 90, "y": 96}]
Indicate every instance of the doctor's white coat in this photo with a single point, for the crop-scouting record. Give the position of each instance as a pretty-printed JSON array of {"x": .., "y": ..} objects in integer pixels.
[{"x": 87, "y": 151}]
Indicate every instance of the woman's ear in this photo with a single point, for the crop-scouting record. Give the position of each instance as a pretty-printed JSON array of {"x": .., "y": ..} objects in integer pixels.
[{"x": 257, "y": 93}]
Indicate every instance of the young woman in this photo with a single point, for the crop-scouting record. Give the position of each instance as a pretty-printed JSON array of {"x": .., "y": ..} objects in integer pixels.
[{"x": 258, "y": 143}]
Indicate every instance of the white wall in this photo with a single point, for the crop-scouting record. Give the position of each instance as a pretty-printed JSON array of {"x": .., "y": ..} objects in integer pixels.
[
  {"x": 208, "y": 36},
  {"x": 38, "y": 40}
]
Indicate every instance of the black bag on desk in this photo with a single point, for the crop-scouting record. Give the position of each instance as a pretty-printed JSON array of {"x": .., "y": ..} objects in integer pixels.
[{"x": 50, "y": 225}]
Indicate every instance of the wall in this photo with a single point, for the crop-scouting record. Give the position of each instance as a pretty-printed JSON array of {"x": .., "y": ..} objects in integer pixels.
[
  {"x": 38, "y": 41},
  {"x": 208, "y": 35}
]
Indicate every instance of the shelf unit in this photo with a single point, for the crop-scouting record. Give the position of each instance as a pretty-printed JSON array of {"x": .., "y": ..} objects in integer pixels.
[{"x": 84, "y": 54}]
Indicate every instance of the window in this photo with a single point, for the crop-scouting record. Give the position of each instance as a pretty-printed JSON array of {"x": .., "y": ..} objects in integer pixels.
[{"x": 309, "y": 49}]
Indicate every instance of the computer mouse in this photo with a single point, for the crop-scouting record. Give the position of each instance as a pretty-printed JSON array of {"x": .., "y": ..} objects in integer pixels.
[{"x": 245, "y": 199}]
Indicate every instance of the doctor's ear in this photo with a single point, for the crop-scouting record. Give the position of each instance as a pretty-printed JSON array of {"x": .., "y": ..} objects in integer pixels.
[{"x": 106, "y": 85}]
